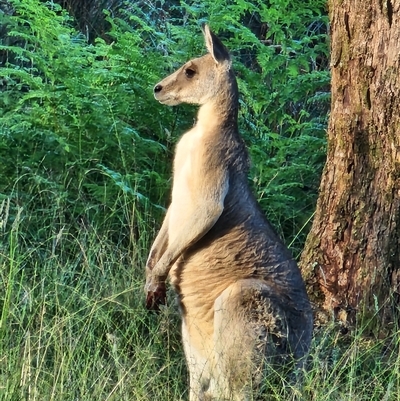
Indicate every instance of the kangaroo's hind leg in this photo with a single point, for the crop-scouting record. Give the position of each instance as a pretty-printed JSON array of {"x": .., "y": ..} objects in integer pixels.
[
  {"x": 198, "y": 365},
  {"x": 251, "y": 332}
]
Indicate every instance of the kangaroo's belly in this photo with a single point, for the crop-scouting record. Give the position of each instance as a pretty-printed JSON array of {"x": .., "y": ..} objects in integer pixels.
[
  {"x": 222, "y": 258},
  {"x": 206, "y": 270}
]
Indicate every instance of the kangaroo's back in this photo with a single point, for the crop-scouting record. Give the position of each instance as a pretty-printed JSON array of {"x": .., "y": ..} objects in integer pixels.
[{"x": 242, "y": 298}]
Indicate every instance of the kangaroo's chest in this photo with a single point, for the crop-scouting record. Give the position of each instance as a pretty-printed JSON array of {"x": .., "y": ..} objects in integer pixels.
[
  {"x": 189, "y": 162},
  {"x": 186, "y": 192}
]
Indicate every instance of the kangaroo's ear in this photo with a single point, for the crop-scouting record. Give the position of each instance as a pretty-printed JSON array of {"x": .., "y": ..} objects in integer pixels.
[{"x": 215, "y": 47}]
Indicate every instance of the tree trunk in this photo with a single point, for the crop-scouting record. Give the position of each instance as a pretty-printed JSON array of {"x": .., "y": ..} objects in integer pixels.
[{"x": 351, "y": 261}]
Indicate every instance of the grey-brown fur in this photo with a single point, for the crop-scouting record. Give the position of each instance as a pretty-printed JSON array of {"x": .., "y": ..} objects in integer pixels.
[{"x": 242, "y": 299}]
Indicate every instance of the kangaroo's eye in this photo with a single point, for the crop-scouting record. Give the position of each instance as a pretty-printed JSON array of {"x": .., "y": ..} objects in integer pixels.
[{"x": 190, "y": 73}]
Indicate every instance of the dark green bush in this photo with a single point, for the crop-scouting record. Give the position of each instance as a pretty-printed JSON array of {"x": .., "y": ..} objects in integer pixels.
[
  {"x": 79, "y": 135},
  {"x": 82, "y": 139}
]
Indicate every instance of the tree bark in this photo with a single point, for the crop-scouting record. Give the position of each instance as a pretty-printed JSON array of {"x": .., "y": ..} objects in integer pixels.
[{"x": 351, "y": 261}]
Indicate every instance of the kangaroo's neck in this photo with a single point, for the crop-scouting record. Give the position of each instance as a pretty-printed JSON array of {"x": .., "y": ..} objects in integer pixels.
[{"x": 221, "y": 112}]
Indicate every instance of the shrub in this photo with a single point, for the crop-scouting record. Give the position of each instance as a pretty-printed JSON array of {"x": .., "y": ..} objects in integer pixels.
[{"x": 82, "y": 137}]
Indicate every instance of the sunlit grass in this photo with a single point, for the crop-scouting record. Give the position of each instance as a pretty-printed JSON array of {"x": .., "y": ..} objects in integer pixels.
[{"x": 74, "y": 327}]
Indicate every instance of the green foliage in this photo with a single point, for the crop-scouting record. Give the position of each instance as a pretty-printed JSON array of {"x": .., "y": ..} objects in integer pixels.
[
  {"x": 81, "y": 134},
  {"x": 78, "y": 126}
]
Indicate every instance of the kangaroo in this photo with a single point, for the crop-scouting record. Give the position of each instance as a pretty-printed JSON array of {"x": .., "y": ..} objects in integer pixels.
[{"x": 242, "y": 299}]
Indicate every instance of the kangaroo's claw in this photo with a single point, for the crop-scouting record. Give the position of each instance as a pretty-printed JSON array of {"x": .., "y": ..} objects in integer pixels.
[{"x": 156, "y": 296}]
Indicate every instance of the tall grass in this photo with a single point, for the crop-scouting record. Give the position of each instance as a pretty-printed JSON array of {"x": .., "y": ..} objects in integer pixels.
[
  {"x": 72, "y": 322},
  {"x": 73, "y": 327}
]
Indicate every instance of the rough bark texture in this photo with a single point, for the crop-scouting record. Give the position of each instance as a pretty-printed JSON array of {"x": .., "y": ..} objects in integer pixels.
[{"x": 351, "y": 261}]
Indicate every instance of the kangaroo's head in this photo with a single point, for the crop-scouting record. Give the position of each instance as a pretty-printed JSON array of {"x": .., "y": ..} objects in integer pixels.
[{"x": 199, "y": 80}]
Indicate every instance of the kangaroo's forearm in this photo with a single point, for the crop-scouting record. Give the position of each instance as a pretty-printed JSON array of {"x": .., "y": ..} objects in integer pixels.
[
  {"x": 160, "y": 244},
  {"x": 193, "y": 230}
]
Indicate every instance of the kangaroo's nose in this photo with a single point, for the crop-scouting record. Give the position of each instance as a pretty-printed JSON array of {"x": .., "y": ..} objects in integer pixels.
[{"x": 157, "y": 88}]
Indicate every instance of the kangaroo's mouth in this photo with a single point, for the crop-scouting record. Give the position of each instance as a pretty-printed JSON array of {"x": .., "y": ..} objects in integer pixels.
[{"x": 167, "y": 100}]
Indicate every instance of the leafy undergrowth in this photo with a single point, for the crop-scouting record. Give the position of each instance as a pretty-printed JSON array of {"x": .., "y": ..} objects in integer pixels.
[
  {"x": 79, "y": 123},
  {"x": 74, "y": 327}
]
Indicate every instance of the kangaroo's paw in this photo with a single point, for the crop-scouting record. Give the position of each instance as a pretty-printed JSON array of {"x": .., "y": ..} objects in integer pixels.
[{"x": 156, "y": 295}]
